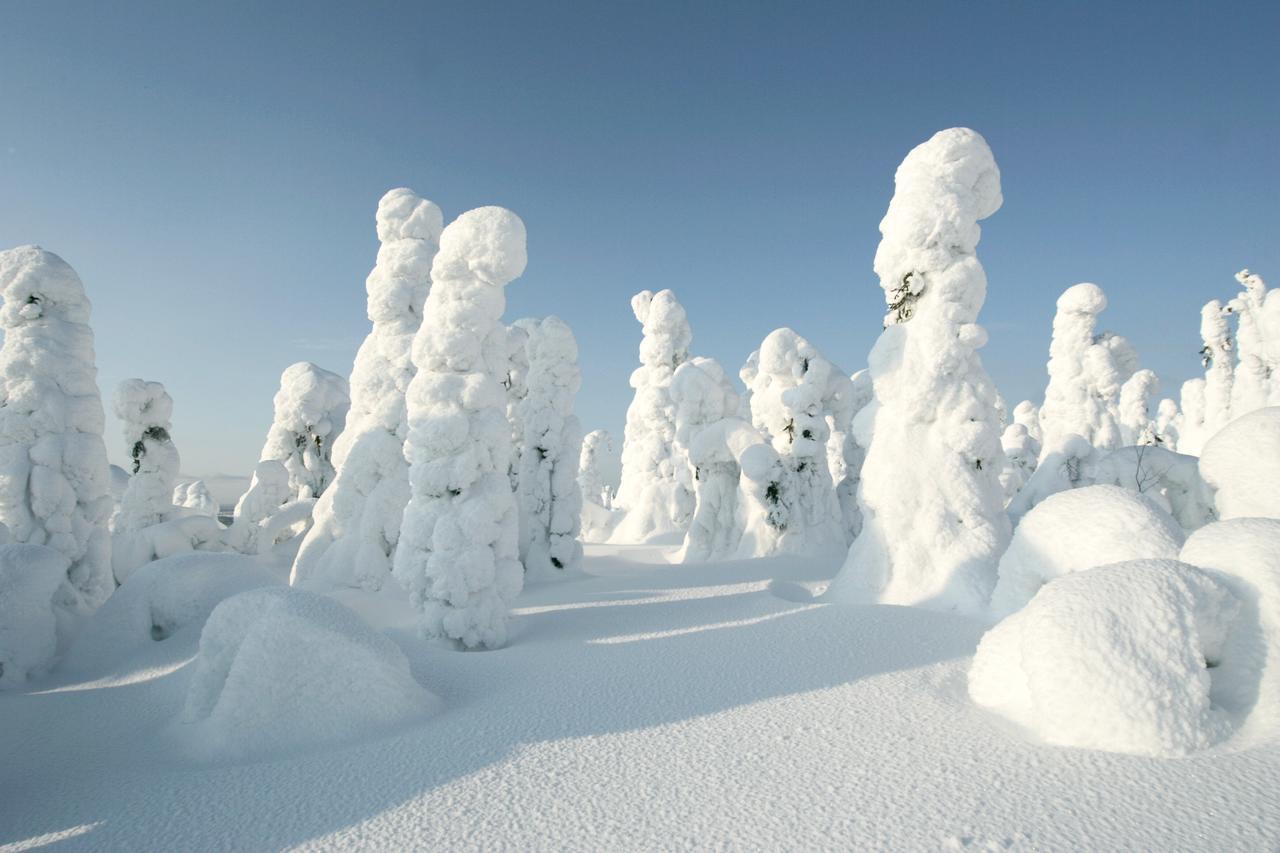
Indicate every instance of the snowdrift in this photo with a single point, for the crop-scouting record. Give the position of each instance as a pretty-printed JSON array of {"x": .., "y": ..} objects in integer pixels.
[{"x": 1242, "y": 463}]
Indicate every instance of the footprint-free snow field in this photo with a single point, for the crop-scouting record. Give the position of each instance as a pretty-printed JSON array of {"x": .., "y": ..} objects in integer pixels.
[{"x": 641, "y": 705}]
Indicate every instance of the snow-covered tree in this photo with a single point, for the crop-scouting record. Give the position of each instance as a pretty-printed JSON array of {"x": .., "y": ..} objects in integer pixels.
[
  {"x": 1257, "y": 377},
  {"x": 1068, "y": 465},
  {"x": 932, "y": 504},
  {"x": 1086, "y": 372},
  {"x": 792, "y": 399},
  {"x": 145, "y": 410},
  {"x": 458, "y": 552},
  {"x": 195, "y": 498},
  {"x": 1136, "y": 394},
  {"x": 549, "y": 495},
  {"x": 357, "y": 519},
  {"x": 1027, "y": 414},
  {"x": 652, "y": 492},
  {"x": 1021, "y": 453},
  {"x": 1167, "y": 423},
  {"x": 516, "y": 381},
  {"x": 310, "y": 411},
  {"x": 1219, "y": 372},
  {"x": 844, "y": 455},
  {"x": 1190, "y": 423},
  {"x": 53, "y": 464},
  {"x": 703, "y": 397},
  {"x": 268, "y": 491},
  {"x": 595, "y": 445}
]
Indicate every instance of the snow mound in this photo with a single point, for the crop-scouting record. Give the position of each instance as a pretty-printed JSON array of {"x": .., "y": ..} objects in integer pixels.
[
  {"x": 1245, "y": 554},
  {"x": 159, "y": 600},
  {"x": 1117, "y": 658},
  {"x": 283, "y": 668},
  {"x": 1242, "y": 463},
  {"x": 1170, "y": 479},
  {"x": 29, "y": 576},
  {"x": 1077, "y": 530}
]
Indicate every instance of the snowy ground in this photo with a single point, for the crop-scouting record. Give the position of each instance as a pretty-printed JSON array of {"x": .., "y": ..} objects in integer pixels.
[{"x": 642, "y": 706}]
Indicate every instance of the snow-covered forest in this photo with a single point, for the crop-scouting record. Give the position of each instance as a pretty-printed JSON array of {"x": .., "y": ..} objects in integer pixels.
[{"x": 1087, "y": 583}]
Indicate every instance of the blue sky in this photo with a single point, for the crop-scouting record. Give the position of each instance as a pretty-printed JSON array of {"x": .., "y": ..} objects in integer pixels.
[{"x": 212, "y": 170}]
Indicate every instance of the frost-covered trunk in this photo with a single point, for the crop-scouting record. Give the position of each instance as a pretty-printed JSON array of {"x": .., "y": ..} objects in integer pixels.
[
  {"x": 310, "y": 410},
  {"x": 357, "y": 519},
  {"x": 933, "y": 508},
  {"x": 654, "y": 492},
  {"x": 146, "y": 412},
  {"x": 550, "y": 500},
  {"x": 54, "y": 478},
  {"x": 793, "y": 390},
  {"x": 458, "y": 552}
]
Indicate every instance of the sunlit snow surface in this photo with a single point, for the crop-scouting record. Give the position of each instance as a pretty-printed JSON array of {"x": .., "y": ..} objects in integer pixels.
[{"x": 641, "y": 705}]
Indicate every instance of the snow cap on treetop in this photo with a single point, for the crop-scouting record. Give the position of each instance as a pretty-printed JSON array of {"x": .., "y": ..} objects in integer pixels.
[
  {"x": 1083, "y": 298},
  {"x": 488, "y": 242},
  {"x": 35, "y": 283},
  {"x": 403, "y": 214}
]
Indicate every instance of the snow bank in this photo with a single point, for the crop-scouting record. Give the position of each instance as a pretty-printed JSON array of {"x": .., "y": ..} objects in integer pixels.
[
  {"x": 159, "y": 600},
  {"x": 654, "y": 491},
  {"x": 54, "y": 478},
  {"x": 145, "y": 410},
  {"x": 1077, "y": 530},
  {"x": 357, "y": 519},
  {"x": 310, "y": 412},
  {"x": 1242, "y": 464},
  {"x": 29, "y": 577},
  {"x": 931, "y": 500},
  {"x": 1115, "y": 658},
  {"x": 134, "y": 549},
  {"x": 281, "y": 669},
  {"x": 458, "y": 550},
  {"x": 548, "y": 493},
  {"x": 1245, "y": 555}
]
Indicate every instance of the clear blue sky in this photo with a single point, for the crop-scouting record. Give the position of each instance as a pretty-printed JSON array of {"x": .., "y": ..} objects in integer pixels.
[{"x": 212, "y": 171}]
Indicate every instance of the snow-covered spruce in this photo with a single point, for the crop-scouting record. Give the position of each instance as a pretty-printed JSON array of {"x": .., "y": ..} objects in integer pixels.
[
  {"x": 654, "y": 492},
  {"x": 516, "y": 382},
  {"x": 1027, "y": 414},
  {"x": 357, "y": 519},
  {"x": 1137, "y": 426},
  {"x": 1116, "y": 658},
  {"x": 1086, "y": 372},
  {"x": 458, "y": 552},
  {"x": 844, "y": 454},
  {"x": 704, "y": 397},
  {"x": 1170, "y": 479},
  {"x": 1077, "y": 530},
  {"x": 1167, "y": 418},
  {"x": 281, "y": 669},
  {"x": 793, "y": 392},
  {"x": 195, "y": 498},
  {"x": 1021, "y": 453},
  {"x": 30, "y": 575},
  {"x": 1219, "y": 372},
  {"x": 1257, "y": 375},
  {"x": 595, "y": 445},
  {"x": 310, "y": 410},
  {"x": 549, "y": 497},
  {"x": 54, "y": 479},
  {"x": 932, "y": 505},
  {"x": 1242, "y": 465},
  {"x": 1069, "y": 465},
  {"x": 1190, "y": 423},
  {"x": 268, "y": 491},
  {"x": 145, "y": 411}
]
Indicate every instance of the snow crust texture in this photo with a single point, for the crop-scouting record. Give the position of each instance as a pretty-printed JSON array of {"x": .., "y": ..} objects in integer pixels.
[
  {"x": 1076, "y": 530},
  {"x": 458, "y": 552},
  {"x": 29, "y": 577},
  {"x": 357, "y": 519},
  {"x": 931, "y": 500},
  {"x": 280, "y": 669},
  {"x": 1114, "y": 658}
]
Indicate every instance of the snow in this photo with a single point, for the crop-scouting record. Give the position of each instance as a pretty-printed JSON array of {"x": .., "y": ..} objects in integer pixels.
[
  {"x": 458, "y": 550},
  {"x": 1241, "y": 463},
  {"x": 932, "y": 504},
  {"x": 268, "y": 491},
  {"x": 29, "y": 577},
  {"x": 310, "y": 412},
  {"x": 1076, "y": 530},
  {"x": 655, "y": 493},
  {"x": 284, "y": 669},
  {"x": 357, "y": 519},
  {"x": 1170, "y": 479},
  {"x": 196, "y": 498},
  {"x": 1114, "y": 658},
  {"x": 639, "y": 706},
  {"x": 54, "y": 480},
  {"x": 145, "y": 410}
]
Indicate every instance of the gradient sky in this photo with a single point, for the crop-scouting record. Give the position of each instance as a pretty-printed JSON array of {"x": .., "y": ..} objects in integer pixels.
[{"x": 212, "y": 171}]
